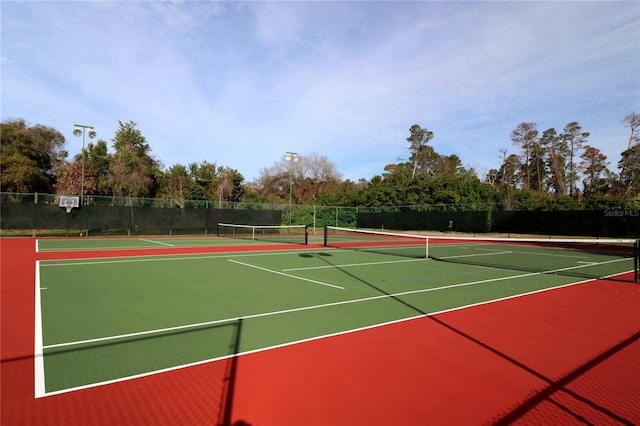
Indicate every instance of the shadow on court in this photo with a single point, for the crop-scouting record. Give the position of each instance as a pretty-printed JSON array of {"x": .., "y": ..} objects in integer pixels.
[
  {"x": 168, "y": 347},
  {"x": 551, "y": 386}
]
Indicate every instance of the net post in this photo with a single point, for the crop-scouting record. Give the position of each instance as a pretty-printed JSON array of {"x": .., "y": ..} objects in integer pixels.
[
  {"x": 326, "y": 231},
  {"x": 306, "y": 235},
  {"x": 636, "y": 259},
  {"x": 426, "y": 248}
]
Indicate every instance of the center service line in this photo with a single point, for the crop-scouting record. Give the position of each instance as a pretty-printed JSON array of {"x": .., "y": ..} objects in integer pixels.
[{"x": 286, "y": 275}]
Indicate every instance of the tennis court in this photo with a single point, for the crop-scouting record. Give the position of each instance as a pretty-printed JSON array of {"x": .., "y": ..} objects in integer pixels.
[{"x": 111, "y": 311}]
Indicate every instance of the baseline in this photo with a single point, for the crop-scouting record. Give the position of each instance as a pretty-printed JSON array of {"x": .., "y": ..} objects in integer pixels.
[{"x": 300, "y": 341}]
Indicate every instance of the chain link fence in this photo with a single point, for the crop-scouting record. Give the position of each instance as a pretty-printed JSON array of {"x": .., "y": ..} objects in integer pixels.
[{"x": 40, "y": 214}]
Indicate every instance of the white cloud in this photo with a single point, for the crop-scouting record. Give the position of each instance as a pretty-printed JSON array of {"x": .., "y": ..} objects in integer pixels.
[{"x": 242, "y": 83}]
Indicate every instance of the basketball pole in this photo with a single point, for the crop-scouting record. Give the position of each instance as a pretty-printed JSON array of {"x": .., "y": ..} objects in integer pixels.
[{"x": 81, "y": 129}]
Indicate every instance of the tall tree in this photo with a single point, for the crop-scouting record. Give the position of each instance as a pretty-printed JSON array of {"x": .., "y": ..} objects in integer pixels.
[
  {"x": 575, "y": 139},
  {"x": 70, "y": 178},
  {"x": 418, "y": 139},
  {"x": 99, "y": 162},
  {"x": 202, "y": 182},
  {"x": 205, "y": 181},
  {"x": 311, "y": 176},
  {"x": 175, "y": 184},
  {"x": 525, "y": 136},
  {"x": 593, "y": 165},
  {"x": 134, "y": 172},
  {"x": 398, "y": 174},
  {"x": 228, "y": 184},
  {"x": 29, "y": 156},
  {"x": 491, "y": 177},
  {"x": 319, "y": 175},
  {"x": 629, "y": 166},
  {"x": 632, "y": 121},
  {"x": 275, "y": 181},
  {"x": 97, "y": 172},
  {"x": 556, "y": 152},
  {"x": 538, "y": 167},
  {"x": 508, "y": 173},
  {"x": 448, "y": 165}
]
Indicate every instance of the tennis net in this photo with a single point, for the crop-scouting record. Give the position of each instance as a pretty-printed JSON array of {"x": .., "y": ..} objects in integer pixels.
[
  {"x": 587, "y": 258},
  {"x": 294, "y": 234}
]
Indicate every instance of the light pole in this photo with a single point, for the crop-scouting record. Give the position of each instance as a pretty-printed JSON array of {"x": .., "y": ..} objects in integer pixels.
[
  {"x": 291, "y": 157},
  {"x": 81, "y": 129}
]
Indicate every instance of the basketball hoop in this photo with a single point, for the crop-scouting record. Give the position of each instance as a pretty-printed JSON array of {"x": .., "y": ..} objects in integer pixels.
[{"x": 69, "y": 202}]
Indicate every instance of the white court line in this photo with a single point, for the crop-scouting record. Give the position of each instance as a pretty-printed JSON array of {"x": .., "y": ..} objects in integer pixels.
[
  {"x": 308, "y": 268},
  {"x": 286, "y": 311},
  {"x": 475, "y": 255},
  {"x": 528, "y": 253},
  {"x": 310, "y": 339},
  {"x": 38, "y": 356},
  {"x": 164, "y": 257},
  {"x": 349, "y": 331},
  {"x": 304, "y": 308},
  {"x": 286, "y": 275},
  {"x": 156, "y": 242}
]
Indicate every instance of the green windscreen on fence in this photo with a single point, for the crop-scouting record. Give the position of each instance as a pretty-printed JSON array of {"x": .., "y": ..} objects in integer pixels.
[
  {"x": 132, "y": 220},
  {"x": 592, "y": 223}
]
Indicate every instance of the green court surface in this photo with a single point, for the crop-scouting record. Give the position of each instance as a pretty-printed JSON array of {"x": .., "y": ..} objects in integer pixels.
[
  {"x": 107, "y": 319},
  {"x": 75, "y": 244}
]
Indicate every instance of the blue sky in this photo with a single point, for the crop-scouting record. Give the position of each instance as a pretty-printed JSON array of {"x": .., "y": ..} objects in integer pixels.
[{"x": 240, "y": 83}]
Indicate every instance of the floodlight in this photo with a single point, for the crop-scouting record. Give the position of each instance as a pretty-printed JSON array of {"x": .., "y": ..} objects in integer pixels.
[{"x": 81, "y": 130}]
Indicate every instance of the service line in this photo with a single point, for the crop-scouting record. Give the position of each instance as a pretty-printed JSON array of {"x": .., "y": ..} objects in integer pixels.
[{"x": 285, "y": 274}]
